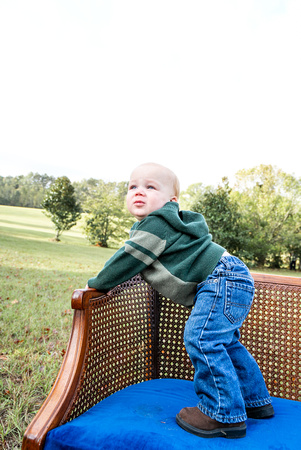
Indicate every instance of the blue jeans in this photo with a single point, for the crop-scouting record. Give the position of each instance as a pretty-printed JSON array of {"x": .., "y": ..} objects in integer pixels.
[{"x": 227, "y": 378}]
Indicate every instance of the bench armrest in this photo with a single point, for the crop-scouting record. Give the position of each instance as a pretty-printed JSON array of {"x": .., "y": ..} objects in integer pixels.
[{"x": 57, "y": 403}]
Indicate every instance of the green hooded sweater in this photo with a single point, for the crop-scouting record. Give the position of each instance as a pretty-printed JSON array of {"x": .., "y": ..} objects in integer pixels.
[{"x": 172, "y": 249}]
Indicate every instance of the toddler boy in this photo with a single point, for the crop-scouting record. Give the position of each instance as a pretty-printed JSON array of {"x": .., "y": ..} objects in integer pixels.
[{"x": 174, "y": 252}]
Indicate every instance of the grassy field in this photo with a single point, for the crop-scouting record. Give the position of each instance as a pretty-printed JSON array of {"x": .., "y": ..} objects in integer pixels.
[{"x": 37, "y": 278}]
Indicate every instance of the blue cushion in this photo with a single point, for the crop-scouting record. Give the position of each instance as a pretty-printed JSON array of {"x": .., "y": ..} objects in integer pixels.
[{"x": 143, "y": 417}]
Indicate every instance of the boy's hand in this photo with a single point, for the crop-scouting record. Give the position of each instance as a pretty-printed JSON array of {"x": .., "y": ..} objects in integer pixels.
[{"x": 91, "y": 289}]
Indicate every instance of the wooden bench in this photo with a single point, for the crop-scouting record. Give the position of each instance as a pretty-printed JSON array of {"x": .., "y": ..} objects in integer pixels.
[{"x": 133, "y": 334}]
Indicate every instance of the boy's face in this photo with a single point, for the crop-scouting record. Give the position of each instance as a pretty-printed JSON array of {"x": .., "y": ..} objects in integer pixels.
[{"x": 150, "y": 188}]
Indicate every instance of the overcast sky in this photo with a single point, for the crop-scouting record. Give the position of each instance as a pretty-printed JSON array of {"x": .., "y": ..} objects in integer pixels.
[{"x": 91, "y": 88}]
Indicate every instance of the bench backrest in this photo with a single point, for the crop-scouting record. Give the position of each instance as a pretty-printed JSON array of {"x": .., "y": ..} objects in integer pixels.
[{"x": 135, "y": 334}]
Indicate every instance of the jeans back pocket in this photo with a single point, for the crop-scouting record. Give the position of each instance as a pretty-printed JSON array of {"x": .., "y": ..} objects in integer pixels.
[{"x": 239, "y": 297}]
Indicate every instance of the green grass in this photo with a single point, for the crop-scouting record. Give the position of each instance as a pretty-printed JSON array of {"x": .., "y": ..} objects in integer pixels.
[
  {"x": 283, "y": 272},
  {"x": 37, "y": 278}
]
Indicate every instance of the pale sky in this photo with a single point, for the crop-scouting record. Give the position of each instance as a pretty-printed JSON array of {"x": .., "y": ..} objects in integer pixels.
[{"x": 92, "y": 88}]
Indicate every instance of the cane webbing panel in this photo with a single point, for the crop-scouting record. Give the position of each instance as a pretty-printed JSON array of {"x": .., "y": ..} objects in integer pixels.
[
  {"x": 272, "y": 335},
  {"x": 120, "y": 343},
  {"x": 136, "y": 334},
  {"x": 173, "y": 361}
]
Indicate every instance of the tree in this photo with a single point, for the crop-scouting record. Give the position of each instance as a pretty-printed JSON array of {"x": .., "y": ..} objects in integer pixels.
[
  {"x": 107, "y": 219},
  {"x": 222, "y": 216},
  {"x": 61, "y": 206},
  {"x": 269, "y": 202}
]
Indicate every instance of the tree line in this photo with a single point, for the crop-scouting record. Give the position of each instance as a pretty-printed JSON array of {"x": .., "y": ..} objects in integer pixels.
[
  {"x": 27, "y": 191},
  {"x": 257, "y": 219}
]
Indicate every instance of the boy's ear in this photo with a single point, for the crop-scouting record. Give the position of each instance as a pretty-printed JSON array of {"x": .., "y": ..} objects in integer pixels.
[{"x": 174, "y": 199}]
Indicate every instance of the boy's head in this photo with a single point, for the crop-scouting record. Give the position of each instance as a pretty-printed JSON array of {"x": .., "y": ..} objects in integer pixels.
[{"x": 151, "y": 186}]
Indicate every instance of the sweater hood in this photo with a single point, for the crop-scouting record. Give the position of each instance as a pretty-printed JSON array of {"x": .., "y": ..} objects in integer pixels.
[{"x": 188, "y": 222}]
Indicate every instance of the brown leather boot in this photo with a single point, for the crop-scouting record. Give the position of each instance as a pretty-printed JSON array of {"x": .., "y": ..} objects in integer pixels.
[{"x": 196, "y": 422}]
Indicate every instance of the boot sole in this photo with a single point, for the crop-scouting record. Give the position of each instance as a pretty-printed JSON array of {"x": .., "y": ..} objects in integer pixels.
[
  {"x": 229, "y": 433},
  {"x": 263, "y": 412}
]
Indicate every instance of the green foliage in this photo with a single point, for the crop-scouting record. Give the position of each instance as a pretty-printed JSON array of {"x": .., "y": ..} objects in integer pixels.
[
  {"x": 61, "y": 206},
  {"x": 192, "y": 195},
  {"x": 222, "y": 216},
  {"x": 107, "y": 220},
  {"x": 258, "y": 219},
  {"x": 270, "y": 206},
  {"x": 85, "y": 189},
  {"x": 27, "y": 191}
]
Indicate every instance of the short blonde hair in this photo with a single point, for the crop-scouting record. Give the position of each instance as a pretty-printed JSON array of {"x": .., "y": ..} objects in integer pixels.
[{"x": 175, "y": 183}]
